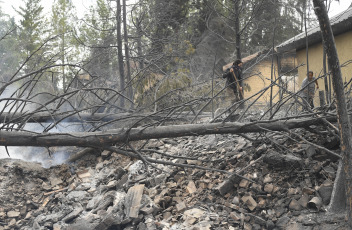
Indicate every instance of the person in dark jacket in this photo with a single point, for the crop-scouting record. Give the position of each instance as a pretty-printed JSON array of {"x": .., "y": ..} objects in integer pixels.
[{"x": 234, "y": 81}]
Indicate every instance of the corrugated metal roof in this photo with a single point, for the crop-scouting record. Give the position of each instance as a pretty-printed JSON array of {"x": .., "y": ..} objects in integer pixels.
[{"x": 339, "y": 23}]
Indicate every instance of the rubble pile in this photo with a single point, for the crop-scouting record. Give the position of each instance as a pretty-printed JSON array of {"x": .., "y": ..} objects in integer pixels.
[{"x": 286, "y": 184}]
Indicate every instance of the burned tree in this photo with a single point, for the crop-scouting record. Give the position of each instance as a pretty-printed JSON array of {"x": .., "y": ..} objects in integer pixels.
[{"x": 343, "y": 118}]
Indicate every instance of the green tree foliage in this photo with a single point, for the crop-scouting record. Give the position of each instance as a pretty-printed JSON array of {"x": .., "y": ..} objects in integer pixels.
[
  {"x": 31, "y": 25},
  {"x": 62, "y": 26},
  {"x": 9, "y": 50},
  {"x": 282, "y": 15},
  {"x": 163, "y": 26},
  {"x": 31, "y": 30},
  {"x": 97, "y": 34}
]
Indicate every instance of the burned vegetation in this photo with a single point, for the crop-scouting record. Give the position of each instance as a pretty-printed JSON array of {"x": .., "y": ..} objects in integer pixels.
[
  {"x": 264, "y": 180},
  {"x": 147, "y": 138},
  {"x": 177, "y": 168}
]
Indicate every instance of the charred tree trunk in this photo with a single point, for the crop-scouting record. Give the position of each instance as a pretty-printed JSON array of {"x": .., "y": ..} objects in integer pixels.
[
  {"x": 237, "y": 29},
  {"x": 119, "y": 51},
  {"x": 122, "y": 135},
  {"x": 47, "y": 117},
  {"x": 127, "y": 54},
  {"x": 342, "y": 115},
  {"x": 272, "y": 71},
  {"x": 306, "y": 32}
]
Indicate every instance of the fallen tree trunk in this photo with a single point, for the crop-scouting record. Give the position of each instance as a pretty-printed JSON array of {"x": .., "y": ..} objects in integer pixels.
[
  {"x": 112, "y": 137},
  {"x": 46, "y": 117}
]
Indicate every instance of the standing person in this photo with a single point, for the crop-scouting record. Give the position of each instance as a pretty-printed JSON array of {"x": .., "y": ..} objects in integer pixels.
[
  {"x": 308, "y": 87},
  {"x": 234, "y": 82}
]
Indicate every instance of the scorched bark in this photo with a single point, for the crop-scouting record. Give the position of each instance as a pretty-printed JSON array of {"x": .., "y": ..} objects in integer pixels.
[{"x": 112, "y": 137}]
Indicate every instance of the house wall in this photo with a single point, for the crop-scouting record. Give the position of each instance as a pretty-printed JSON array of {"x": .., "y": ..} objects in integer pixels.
[
  {"x": 258, "y": 78},
  {"x": 344, "y": 50}
]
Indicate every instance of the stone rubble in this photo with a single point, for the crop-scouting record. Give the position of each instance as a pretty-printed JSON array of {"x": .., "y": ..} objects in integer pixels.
[{"x": 104, "y": 190}]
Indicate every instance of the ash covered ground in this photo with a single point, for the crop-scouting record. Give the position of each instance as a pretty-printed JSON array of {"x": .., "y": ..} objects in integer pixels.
[{"x": 289, "y": 187}]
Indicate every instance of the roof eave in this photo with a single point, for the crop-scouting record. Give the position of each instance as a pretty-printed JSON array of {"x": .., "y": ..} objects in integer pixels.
[{"x": 338, "y": 28}]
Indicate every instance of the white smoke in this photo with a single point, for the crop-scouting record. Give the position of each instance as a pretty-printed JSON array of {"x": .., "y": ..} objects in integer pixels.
[{"x": 35, "y": 154}]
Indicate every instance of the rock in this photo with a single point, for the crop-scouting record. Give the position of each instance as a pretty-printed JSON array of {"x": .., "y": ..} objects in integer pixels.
[
  {"x": 203, "y": 225},
  {"x": 259, "y": 220},
  {"x": 46, "y": 186},
  {"x": 270, "y": 225},
  {"x": 55, "y": 181},
  {"x": 28, "y": 215},
  {"x": 307, "y": 221},
  {"x": 57, "y": 227},
  {"x": 56, "y": 217},
  {"x": 241, "y": 143},
  {"x": 261, "y": 149},
  {"x": 246, "y": 226},
  {"x": 262, "y": 202},
  {"x": 282, "y": 222},
  {"x": 295, "y": 226},
  {"x": 292, "y": 191},
  {"x": 12, "y": 223},
  {"x": 112, "y": 221},
  {"x": 244, "y": 183},
  {"x": 148, "y": 206},
  {"x": 72, "y": 187},
  {"x": 330, "y": 171},
  {"x": 268, "y": 179},
  {"x": 236, "y": 200},
  {"x": 308, "y": 191},
  {"x": 295, "y": 205},
  {"x": 235, "y": 216},
  {"x": 303, "y": 201},
  {"x": 136, "y": 167},
  {"x": 269, "y": 188},
  {"x": 251, "y": 203},
  {"x": 191, "y": 187},
  {"x": 106, "y": 201},
  {"x": 159, "y": 179},
  {"x": 75, "y": 213},
  {"x": 280, "y": 161},
  {"x": 325, "y": 192},
  {"x": 119, "y": 197},
  {"x": 280, "y": 211},
  {"x": 13, "y": 214},
  {"x": 105, "y": 153},
  {"x": 193, "y": 162},
  {"x": 150, "y": 223},
  {"x": 194, "y": 212},
  {"x": 167, "y": 215},
  {"x": 181, "y": 206},
  {"x": 192, "y": 215},
  {"x": 77, "y": 195},
  {"x": 112, "y": 184},
  {"x": 84, "y": 175},
  {"x": 310, "y": 151},
  {"x": 122, "y": 181},
  {"x": 228, "y": 185},
  {"x": 99, "y": 166},
  {"x": 93, "y": 202}
]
